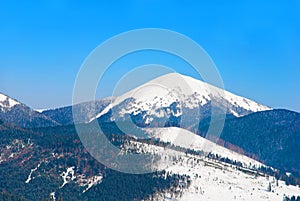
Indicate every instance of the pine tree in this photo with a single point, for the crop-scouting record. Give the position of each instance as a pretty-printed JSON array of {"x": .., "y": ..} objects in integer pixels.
[{"x": 269, "y": 187}]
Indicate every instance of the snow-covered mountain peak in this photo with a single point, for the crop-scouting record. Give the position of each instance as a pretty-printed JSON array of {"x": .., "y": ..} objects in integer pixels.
[
  {"x": 7, "y": 102},
  {"x": 191, "y": 86},
  {"x": 179, "y": 92},
  {"x": 163, "y": 85}
]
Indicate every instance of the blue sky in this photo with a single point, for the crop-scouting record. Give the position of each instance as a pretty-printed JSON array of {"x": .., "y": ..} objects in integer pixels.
[{"x": 254, "y": 44}]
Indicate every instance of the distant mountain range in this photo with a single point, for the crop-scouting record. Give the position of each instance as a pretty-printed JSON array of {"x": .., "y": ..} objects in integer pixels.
[
  {"x": 64, "y": 115},
  {"x": 256, "y": 158},
  {"x": 18, "y": 114},
  {"x": 159, "y": 100}
]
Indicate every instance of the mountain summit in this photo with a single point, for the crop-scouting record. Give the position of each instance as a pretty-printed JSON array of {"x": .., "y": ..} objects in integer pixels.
[
  {"x": 16, "y": 113},
  {"x": 172, "y": 95},
  {"x": 7, "y": 102}
]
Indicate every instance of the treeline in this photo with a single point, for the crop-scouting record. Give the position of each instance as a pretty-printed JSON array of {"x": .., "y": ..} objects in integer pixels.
[
  {"x": 292, "y": 198},
  {"x": 278, "y": 174}
]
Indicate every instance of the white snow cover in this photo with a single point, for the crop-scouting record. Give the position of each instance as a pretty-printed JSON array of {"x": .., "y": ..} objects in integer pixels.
[
  {"x": 41, "y": 110},
  {"x": 89, "y": 182},
  {"x": 186, "y": 139},
  {"x": 7, "y": 102},
  {"x": 30, "y": 174},
  {"x": 189, "y": 92},
  {"x": 227, "y": 183},
  {"x": 52, "y": 196},
  {"x": 212, "y": 180},
  {"x": 68, "y": 176}
]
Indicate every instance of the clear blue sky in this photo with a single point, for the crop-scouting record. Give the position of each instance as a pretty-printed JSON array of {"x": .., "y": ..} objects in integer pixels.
[{"x": 255, "y": 44}]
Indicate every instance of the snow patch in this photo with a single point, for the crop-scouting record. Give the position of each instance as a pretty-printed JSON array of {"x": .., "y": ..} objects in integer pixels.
[
  {"x": 89, "y": 182},
  {"x": 52, "y": 196},
  {"x": 30, "y": 174},
  {"x": 7, "y": 102},
  {"x": 68, "y": 176},
  {"x": 41, "y": 110}
]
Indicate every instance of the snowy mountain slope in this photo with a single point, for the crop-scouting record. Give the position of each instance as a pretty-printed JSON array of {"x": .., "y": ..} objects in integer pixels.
[
  {"x": 18, "y": 114},
  {"x": 7, "y": 102},
  {"x": 186, "y": 139},
  {"x": 216, "y": 181},
  {"x": 172, "y": 94},
  {"x": 213, "y": 180}
]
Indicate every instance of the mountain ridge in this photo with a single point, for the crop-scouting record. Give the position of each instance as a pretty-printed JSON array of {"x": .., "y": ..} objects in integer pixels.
[
  {"x": 18, "y": 114},
  {"x": 173, "y": 96},
  {"x": 272, "y": 136}
]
